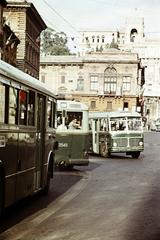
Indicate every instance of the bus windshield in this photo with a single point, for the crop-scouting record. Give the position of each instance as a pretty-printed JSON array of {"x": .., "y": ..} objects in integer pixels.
[
  {"x": 134, "y": 124},
  {"x": 126, "y": 124},
  {"x": 69, "y": 120}
]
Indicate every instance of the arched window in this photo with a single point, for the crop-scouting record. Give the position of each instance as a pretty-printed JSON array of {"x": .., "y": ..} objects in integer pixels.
[
  {"x": 93, "y": 39},
  {"x": 110, "y": 80},
  {"x": 133, "y": 34},
  {"x": 102, "y": 38}
]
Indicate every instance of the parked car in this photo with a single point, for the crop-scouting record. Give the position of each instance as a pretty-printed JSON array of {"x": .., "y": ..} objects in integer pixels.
[
  {"x": 157, "y": 123},
  {"x": 153, "y": 126}
]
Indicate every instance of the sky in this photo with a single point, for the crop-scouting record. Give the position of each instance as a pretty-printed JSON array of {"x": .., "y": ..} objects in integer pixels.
[{"x": 70, "y": 16}]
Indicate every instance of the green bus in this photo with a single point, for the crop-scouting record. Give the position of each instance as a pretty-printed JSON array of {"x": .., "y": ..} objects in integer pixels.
[
  {"x": 27, "y": 135},
  {"x": 72, "y": 134},
  {"x": 116, "y": 132}
]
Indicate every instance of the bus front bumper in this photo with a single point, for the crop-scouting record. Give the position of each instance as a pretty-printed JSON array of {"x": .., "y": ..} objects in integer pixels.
[
  {"x": 130, "y": 149},
  {"x": 78, "y": 162}
]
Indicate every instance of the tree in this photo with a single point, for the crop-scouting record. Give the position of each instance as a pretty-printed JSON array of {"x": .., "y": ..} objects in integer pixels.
[
  {"x": 113, "y": 43},
  {"x": 54, "y": 43}
]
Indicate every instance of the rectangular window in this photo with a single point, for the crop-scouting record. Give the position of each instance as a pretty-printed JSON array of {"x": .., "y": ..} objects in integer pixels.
[
  {"x": 53, "y": 113},
  {"x": 49, "y": 113},
  {"x": 80, "y": 84},
  {"x": 94, "y": 83},
  {"x": 93, "y": 104},
  {"x": 110, "y": 84},
  {"x": 22, "y": 107},
  {"x": 13, "y": 109},
  {"x": 70, "y": 81},
  {"x": 31, "y": 109},
  {"x": 126, "y": 83},
  {"x": 109, "y": 105},
  {"x": 125, "y": 105},
  {"x": 62, "y": 79},
  {"x": 2, "y": 103}
]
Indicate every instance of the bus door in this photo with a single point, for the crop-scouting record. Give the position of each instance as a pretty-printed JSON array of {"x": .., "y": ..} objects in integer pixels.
[
  {"x": 95, "y": 136},
  {"x": 40, "y": 144}
]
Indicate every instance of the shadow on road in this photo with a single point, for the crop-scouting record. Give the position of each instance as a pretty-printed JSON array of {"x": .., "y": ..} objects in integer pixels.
[{"x": 62, "y": 181}]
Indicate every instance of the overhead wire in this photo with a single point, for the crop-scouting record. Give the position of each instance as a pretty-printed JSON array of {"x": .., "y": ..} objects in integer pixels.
[{"x": 57, "y": 13}]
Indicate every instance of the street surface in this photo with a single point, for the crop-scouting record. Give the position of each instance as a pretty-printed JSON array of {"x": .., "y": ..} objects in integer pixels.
[{"x": 111, "y": 199}]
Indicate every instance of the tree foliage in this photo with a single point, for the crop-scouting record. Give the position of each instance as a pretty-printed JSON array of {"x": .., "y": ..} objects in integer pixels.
[{"x": 54, "y": 43}]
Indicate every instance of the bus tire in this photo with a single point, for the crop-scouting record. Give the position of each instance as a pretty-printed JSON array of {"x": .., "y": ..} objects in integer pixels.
[
  {"x": 46, "y": 188},
  {"x": 49, "y": 176},
  {"x": 135, "y": 154},
  {"x": 104, "y": 150}
]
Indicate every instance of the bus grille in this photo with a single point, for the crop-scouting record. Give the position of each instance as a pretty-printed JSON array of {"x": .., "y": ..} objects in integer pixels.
[
  {"x": 127, "y": 142},
  {"x": 122, "y": 142},
  {"x": 133, "y": 142}
]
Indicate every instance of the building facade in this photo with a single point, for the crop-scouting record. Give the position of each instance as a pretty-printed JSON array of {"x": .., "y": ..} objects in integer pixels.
[
  {"x": 105, "y": 81},
  {"x": 132, "y": 38},
  {"x": 27, "y": 24},
  {"x": 8, "y": 40},
  {"x": 2, "y": 5}
]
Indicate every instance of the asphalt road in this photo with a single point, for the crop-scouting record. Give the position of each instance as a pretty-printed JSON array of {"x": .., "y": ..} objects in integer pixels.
[{"x": 111, "y": 199}]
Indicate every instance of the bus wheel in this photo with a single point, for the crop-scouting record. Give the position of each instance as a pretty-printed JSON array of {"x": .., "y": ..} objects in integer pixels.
[
  {"x": 46, "y": 188},
  {"x": 135, "y": 154},
  {"x": 104, "y": 150}
]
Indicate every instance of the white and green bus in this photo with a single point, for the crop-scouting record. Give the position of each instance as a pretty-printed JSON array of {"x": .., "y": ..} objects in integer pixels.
[
  {"x": 116, "y": 132},
  {"x": 72, "y": 134}
]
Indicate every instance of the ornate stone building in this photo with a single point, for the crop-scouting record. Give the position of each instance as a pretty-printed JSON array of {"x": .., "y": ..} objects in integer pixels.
[
  {"x": 2, "y": 5},
  {"x": 104, "y": 81},
  {"x": 8, "y": 39},
  {"x": 27, "y": 24},
  {"x": 131, "y": 38}
]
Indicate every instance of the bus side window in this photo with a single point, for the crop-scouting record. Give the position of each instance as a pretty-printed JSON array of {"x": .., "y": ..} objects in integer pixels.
[
  {"x": 2, "y": 103},
  {"x": 49, "y": 113},
  {"x": 13, "y": 110},
  {"x": 53, "y": 113},
  {"x": 22, "y": 107},
  {"x": 59, "y": 118},
  {"x": 113, "y": 126},
  {"x": 31, "y": 109}
]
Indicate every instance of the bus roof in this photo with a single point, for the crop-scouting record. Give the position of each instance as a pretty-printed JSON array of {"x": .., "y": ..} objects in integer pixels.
[
  {"x": 124, "y": 114},
  {"x": 113, "y": 114},
  {"x": 23, "y": 78},
  {"x": 71, "y": 105}
]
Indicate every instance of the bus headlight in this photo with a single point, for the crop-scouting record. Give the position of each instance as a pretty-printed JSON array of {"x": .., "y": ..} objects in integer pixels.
[
  {"x": 140, "y": 143},
  {"x": 114, "y": 144}
]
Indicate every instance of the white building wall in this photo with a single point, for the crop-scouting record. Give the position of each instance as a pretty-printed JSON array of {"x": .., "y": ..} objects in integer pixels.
[{"x": 148, "y": 50}]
